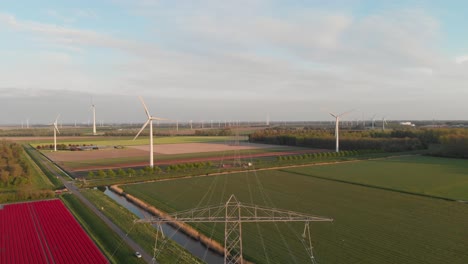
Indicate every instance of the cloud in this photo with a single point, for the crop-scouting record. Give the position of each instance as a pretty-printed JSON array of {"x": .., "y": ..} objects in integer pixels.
[
  {"x": 248, "y": 53},
  {"x": 68, "y": 36},
  {"x": 461, "y": 59}
]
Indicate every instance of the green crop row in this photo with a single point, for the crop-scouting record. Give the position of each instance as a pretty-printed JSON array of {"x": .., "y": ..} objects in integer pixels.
[{"x": 370, "y": 225}]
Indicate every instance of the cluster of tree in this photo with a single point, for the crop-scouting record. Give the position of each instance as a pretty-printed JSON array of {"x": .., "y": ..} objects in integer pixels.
[
  {"x": 189, "y": 166},
  {"x": 214, "y": 132},
  {"x": 324, "y": 155},
  {"x": 22, "y": 195},
  {"x": 346, "y": 143},
  {"x": 130, "y": 172},
  {"x": 452, "y": 146},
  {"x": 393, "y": 140},
  {"x": 37, "y": 132},
  {"x": 147, "y": 171},
  {"x": 14, "y": 169}
]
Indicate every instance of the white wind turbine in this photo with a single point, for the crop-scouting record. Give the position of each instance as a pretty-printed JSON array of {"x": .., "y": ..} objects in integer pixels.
[
  {"x": 337, "y": 122},
  {"x": 56, "y": 130},
  {"x": 383, "y": 123},
  {"x": 93, "y": 107},
  {"x": 150, "y": 122}
]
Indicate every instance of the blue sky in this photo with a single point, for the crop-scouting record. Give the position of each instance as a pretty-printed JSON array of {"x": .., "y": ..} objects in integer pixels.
[{"x": 218, "y": 60}]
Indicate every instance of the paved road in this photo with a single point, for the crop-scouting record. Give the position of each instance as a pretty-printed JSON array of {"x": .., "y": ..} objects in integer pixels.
[{"x": 73, "y": 189}]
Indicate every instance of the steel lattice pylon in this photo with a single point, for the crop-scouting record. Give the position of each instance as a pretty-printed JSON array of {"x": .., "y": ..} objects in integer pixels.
[{"x": 233, "y": 213}]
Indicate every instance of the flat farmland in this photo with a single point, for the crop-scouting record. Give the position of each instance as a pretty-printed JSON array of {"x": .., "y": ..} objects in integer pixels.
[
  {"x": 370, "y": 225},
  {"x": 442, "y": 177},
  {"x": 132, "y": 156},
  {"x": 127, "y": 141},
  {"x": 44, "y": 232}
]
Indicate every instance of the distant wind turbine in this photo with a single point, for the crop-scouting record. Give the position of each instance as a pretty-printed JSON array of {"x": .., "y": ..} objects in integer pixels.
[
  {"x": 93, "y": 107},
  {"x": 383, "y": 123},
  {"x": 337, "y": 132},
  {"x": 56, "y": 130},
  {"x": 373, "y": 121},
  {"x": 150, "y": 122}
]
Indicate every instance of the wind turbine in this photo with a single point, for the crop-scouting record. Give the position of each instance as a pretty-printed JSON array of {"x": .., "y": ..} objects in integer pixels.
[
  {"x": 373, "y": 121},
  {"x": 93, "y": 107},
  {"x": 56, "y": 130},
  {"x": 337, "y": 122},
  {"x": 383, "y": 123},
  {"x": 150, "y": 122}
]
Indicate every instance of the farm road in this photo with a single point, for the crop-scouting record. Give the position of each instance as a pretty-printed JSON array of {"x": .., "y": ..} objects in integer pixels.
[{"x": 73, "y": 189}]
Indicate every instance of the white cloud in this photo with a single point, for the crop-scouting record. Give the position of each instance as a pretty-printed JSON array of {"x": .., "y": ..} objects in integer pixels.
[
  {"x": 68, "y": 36},
  {"x": 461, "y": 59},
  {"x": 222, "y": 51}
]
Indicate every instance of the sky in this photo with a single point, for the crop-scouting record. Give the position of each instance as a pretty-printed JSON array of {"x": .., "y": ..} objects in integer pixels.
[{"x": 232, "y": 60}]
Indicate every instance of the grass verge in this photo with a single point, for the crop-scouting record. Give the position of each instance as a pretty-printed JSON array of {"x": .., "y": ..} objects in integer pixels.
[{"x": 143, "y": 234}]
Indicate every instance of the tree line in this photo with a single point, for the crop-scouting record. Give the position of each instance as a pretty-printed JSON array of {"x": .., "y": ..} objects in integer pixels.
[{"x": 451, "y": 141}]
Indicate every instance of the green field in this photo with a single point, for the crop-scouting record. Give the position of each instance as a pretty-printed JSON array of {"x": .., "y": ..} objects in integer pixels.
[
  {"x": 442, "y": 177},
  {"x": 370, "y": 225}
]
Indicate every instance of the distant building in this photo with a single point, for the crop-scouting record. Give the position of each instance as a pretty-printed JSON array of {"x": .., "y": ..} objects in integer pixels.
[{"x": 407, "y": 124}]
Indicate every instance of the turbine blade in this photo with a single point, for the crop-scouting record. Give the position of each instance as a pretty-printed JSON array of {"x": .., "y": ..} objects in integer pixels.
[
  {"x": 143, "y": 127},
  {"x": 146, "y": 108},
  {"x": 158, "y": 118},
  {"x": 56, "y": 119},
  {"x": 333, "y": 115},
  {"x": 345, "y": 113}
]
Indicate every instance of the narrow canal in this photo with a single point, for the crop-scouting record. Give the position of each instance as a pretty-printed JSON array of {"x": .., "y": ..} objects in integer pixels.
[{"x": 190, "y": 244}]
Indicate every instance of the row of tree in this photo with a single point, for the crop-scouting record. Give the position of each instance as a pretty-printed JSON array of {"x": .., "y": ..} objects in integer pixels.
[
  {"x": 14, "y": 169},
  {"x": 346, "y": 143},
  {"x": 325, "y": 155},
  {"x": 22, "y": 195},
  {"x": 147, "y": 171}
]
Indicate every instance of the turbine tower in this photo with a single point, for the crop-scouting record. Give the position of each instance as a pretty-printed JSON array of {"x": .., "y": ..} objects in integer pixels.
[
  {"x": 56, "y": 130},
  {"x": 150, "y": 122},
  {"x": 383, "y": 123},
  {"x": 93, "y": 107},
  {"x": 337, "y": 132}
]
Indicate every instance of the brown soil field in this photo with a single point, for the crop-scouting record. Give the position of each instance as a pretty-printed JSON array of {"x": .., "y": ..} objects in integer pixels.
[
  {"x": 164, "y": 149},
  {"x": 62, "y": 156},
  {"x": 169, "y": 149}
]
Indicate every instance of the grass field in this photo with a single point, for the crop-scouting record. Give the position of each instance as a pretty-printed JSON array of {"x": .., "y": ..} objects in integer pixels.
[
  {"x": 370, "y": 225},
  {"x": 443, "y": 177}
]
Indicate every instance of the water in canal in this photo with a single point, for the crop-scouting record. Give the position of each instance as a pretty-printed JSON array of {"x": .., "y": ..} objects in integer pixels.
[{"x": 190, "y": 244}]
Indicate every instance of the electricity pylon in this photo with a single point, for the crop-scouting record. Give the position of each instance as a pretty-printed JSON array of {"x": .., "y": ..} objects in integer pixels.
[{"x": 233, "y": 213}]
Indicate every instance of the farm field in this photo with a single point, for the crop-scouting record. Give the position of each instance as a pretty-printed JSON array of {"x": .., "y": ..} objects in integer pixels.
[
  {"x": 442, "y": 177},
  {"x": 128, "y": 141},
  {"x": 44, "y": 232},
  {"x": 132, "y": 156},
  {"x": 104, "y": 236},
  {"x": 370, "y": 225}
]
